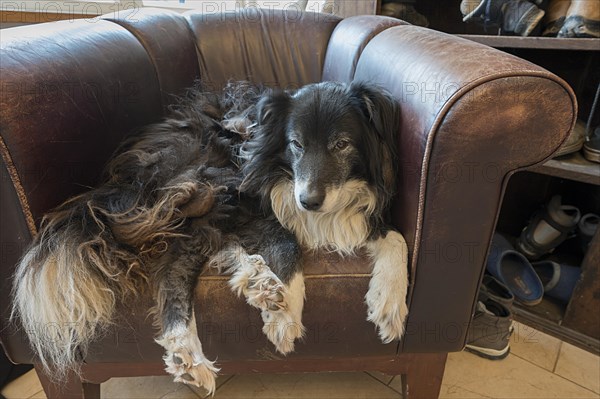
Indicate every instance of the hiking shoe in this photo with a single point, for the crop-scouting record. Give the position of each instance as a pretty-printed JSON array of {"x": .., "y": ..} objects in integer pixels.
[
  {"x": 520, "y": 17},
  {"x": 490, "y": 330},
  {"x": 492, "y": 288}
]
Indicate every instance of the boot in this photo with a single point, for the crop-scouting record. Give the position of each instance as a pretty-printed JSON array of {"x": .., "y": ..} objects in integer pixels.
[
  {"x": 490, "y": 330},
  {"x": 555, "y": 17},
  {"x": 582, "y": 20},
  {"x": 492, "y": 288}
]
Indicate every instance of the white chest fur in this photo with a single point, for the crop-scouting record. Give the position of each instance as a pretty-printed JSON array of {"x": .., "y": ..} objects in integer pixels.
[{"x": 343, "y": 229}]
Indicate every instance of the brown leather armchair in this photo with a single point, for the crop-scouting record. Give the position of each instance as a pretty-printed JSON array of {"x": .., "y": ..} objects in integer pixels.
[{"x": 471, "y": 116}]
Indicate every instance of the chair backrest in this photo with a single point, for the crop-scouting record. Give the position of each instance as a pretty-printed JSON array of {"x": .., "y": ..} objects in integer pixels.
[{"x": 277, "y": 48}]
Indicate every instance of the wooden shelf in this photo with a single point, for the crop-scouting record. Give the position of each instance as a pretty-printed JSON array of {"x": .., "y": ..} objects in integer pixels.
[
  {"x": 572, "y": 167},
  {"x": 547, "y": 317},
  {"x": 544, "y": 43}
]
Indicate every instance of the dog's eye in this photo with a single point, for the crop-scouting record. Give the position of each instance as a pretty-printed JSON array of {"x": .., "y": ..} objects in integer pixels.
[
  {"x": 341, "y": 144},
  {"x": 296, "y": 144}
]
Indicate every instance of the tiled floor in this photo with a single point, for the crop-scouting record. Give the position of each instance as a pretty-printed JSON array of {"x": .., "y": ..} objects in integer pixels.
[{"x": 539, "y": 366}]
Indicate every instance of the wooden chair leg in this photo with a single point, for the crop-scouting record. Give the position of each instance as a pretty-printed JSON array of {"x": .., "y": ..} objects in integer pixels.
[
  {"x": 424, "y": 378},
  {"x": 72, "y": 388}
]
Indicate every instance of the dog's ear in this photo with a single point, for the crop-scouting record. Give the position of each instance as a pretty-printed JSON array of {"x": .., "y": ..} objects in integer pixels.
[
  {"x": 264, "y": 150},
  {"x": 271, "y": 106},
  {"x": 382, "y": 114}
]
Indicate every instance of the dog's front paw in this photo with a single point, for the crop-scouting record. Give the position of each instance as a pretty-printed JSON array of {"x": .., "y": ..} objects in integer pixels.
[
  {"x": 261, "y": 287},
  {"x": 282, "y": 329},
  {"x": 388, "y": 313},
  {"x": 183, "y": 366},
  {"x": 185, "y": 360}
]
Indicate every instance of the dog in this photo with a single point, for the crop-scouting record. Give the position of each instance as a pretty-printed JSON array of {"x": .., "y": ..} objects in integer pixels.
[{"x": 242, "y": 181}]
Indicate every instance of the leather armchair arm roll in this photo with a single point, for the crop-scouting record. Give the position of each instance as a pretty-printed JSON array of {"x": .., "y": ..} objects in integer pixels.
[
  {"x": 69, "y": 92},
  {"x": 471, "y": 117}
]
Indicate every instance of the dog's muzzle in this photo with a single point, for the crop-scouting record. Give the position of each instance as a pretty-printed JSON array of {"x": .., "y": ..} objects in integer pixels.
[{"x": 308, "y": 198}]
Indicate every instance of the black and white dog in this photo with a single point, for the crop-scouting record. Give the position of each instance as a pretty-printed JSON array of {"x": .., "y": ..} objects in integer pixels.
[{"x": 242, "y": 182}]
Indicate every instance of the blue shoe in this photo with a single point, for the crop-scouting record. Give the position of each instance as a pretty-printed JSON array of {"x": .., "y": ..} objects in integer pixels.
[
  {"x": 559, "y": 280},
  {"x": 514, "y": 270}
]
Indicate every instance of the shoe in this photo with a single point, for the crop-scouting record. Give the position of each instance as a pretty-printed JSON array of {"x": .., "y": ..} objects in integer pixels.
[
  {"x": 591, "y": 148},
  {"x": 548, "y": 228},
  {"x": 490, "y": 330},
  {"x": 521, "y": 18},
  {"x": 555, "y": 17},
  {"x": 511, "y": 16},
  {"x": 559, "y": 280},
  {"x": 514, "y": 270},
  {"x": 582, "y": 19},
  {"x": 488, "y": 12},
  {"x": 494, "y": 289},
  {"x": 586, "y": 228},
  {"x": 405, "y": 12}
]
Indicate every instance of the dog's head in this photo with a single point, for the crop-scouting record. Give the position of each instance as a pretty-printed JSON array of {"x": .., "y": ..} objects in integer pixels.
[{"x": 326, "y": 136}]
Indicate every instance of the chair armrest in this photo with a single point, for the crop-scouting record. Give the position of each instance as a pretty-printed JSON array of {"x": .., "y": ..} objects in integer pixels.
[
  {"x": 470, "y": 117},
  {"x": 347, "y": 42},
  {"x": 70, "y": 91}
]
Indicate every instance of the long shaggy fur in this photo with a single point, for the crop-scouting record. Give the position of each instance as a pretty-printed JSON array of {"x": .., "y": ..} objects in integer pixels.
[
  {"x": 166, "y": 192},
  {"x": 239, "y": 181}
]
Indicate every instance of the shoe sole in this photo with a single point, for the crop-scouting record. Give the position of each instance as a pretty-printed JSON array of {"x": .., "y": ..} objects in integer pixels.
[{"x": 488, "y": 353}]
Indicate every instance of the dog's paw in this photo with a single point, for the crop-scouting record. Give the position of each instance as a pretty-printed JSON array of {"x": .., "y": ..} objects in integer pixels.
[
  {"x": 282, "y": 329},
  {"x": 281, "y": 306},
  {"x": 261, "y": 287},
  {"x": 186, "y": 362},
  {"x": 185, "y": 368},
  {"x": 388, "y": 313}
]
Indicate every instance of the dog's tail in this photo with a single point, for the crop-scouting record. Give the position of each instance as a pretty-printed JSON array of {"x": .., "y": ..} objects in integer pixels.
[{"x": 67, "y": 283}]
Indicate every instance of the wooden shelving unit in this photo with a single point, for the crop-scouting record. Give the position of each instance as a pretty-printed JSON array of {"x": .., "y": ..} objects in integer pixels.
[
  {"x": 577, "y": 61},
  {"x": 547, "y": 317},
  {"x": 573, "y": 167},
  {"x": 539, "y": 43},
  {"x": 577, "y": 321}
]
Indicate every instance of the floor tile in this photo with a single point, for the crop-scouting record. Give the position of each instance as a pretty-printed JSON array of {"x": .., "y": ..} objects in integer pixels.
[
  {"x": 203, "y": 393},
  {"x": 23, "y": 387},
  {"x": 579, "y": 366},
  {"x": 469, "y": 376},
  {"x": 145, "y": 388},
  {"x": 535, "y": 346},
  {"x": 39, "y": 395},
  {"x": 384, "y": 378},
  {"x": 307, "y": 385}
]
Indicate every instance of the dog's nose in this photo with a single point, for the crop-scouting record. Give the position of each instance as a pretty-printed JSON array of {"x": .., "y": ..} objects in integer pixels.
[{"x": 312, "y": 202}]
